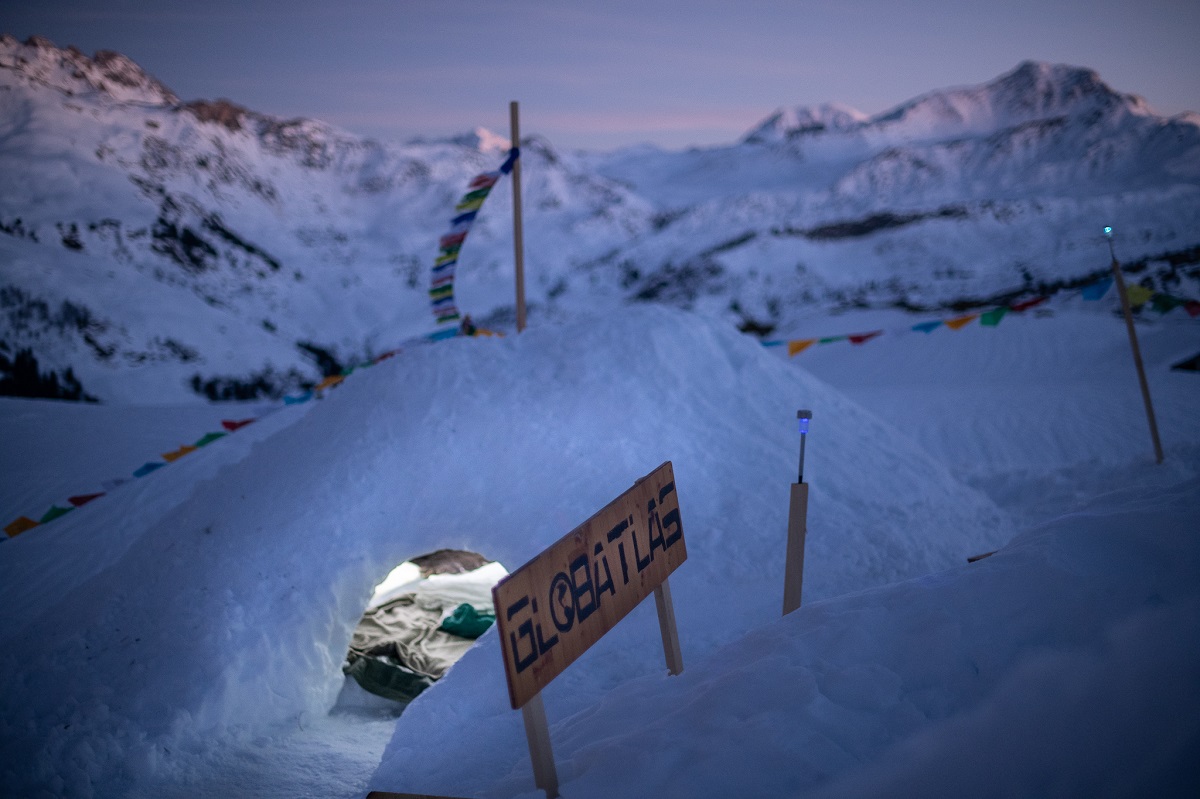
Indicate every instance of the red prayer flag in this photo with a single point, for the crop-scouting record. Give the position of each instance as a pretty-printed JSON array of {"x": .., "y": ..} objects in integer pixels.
[
  {"x": 1192, "y": 307},
  {"x": 859, "y": 338},
  {"x": 1021, "y": 306},
  {"x": 231, "y": 425},
  {"x": 487, "y": 180},
  {"x": 83, "y": 499}
]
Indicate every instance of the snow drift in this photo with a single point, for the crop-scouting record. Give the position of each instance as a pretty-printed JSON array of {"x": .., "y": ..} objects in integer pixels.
[{"x": 228, "y": 614}]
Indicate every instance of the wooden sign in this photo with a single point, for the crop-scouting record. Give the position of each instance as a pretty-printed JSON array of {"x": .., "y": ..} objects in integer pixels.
[{"x": 549, "y": 611}]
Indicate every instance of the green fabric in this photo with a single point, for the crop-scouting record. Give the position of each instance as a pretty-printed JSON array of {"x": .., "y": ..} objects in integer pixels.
[
  {"x": 208, "y": 439},
  {"x": 383, "y": 676},
  {"x": 1164, "y": 303},
  {"x": 54, "y": 513},
  {"x": 467, "y": 622},
  {"x": 992, "y": 318}
]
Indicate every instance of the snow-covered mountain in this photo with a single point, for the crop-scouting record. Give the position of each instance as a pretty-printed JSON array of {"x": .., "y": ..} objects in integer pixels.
[{"x": 165, "y": 249}]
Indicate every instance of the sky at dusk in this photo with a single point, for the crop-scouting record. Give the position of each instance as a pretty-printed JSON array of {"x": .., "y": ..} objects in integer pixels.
[{"x": 607, "y": 73}]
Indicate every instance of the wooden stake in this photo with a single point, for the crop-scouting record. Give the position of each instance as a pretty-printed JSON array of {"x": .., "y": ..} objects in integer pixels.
[
  {"x": 537, "y": 732},
  {"x": 793, "y": 566},
  {"x": 1137, "y": 356},
  {"x": 666, "y": 625},
  {"x": 518, "y": 231},
  {"x": 389, "y": 794}
]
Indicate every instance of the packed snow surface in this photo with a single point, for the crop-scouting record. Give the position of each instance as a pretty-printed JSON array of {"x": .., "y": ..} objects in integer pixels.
[{"x": 184, "y": 634}]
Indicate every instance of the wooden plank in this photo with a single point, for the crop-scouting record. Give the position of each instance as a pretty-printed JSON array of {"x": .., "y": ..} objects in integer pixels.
[
  {"x": 549, "y": 611},
  {"x": 1137, "y": 356},
  {"x": 793, "y": 564},
  {"x": 537, "y": 733},
  {"x": 388, "y": 794},
  {"x": 666, "y": 625}
]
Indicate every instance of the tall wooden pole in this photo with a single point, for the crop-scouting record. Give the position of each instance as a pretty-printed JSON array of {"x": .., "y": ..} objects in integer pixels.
[
  {"x": 518, "y": 232},
  {"x": 1137, "y": 353}
]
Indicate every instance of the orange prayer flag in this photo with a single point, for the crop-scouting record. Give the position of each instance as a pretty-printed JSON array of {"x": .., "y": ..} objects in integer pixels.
[
  {"x": 961, "y": 321},
  {"x": 19, "y": 525},
  {"x": 179, "y": 453},
  {"x": 799, "y": 346},
  {"x": 330, "y": 382}
]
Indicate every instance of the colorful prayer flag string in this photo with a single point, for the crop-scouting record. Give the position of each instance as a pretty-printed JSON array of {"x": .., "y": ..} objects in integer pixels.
[
  {"x": 441, "y": 280},
  {"x": 1138, "y": 295},
  {"x": 24, "y": 523}
]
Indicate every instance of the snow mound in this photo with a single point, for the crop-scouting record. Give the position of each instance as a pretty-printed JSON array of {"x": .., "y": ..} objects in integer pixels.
[
  {"x": 229, "y": 614},
  {"x": 1065, "y": 665}
]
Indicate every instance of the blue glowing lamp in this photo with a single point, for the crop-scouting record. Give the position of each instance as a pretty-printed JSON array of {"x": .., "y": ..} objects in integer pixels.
[
  {"x": 1108, "y": 234},
  {"x": 803, "y": 417}
]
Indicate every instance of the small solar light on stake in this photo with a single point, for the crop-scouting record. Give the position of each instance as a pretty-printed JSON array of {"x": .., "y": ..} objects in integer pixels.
[
  {"x": 802, "y": 417},
  {"x": 1133, "y": 343},
  {"x": 793, "y": 567}
]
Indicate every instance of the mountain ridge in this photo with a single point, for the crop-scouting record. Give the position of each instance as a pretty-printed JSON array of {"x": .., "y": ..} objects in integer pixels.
[{"x": 155, "y": 245}]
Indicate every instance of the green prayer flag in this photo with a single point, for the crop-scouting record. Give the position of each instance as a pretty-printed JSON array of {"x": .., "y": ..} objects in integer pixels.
[
  {"x": 208, "y": 439},
  {"x": 992, "y": 318},
  {"x": 1164, "y": 302},
  {"x": 54, "y": 513}
]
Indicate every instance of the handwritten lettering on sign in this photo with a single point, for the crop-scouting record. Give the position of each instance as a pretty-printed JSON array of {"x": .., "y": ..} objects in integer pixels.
[{"x": 553, "y": 608}]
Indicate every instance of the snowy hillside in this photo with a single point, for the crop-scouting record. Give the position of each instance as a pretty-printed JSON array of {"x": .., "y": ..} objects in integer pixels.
[
  {"x": 243, "y": 249},
  {"x": 166, "y": 250},
  {"x": 961, "y": 196}
]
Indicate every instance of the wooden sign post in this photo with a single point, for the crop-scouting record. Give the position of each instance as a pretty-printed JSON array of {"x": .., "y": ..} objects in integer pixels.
[
  {"x": 549, "y": 611},
  {"x": 793, "y": 563}
]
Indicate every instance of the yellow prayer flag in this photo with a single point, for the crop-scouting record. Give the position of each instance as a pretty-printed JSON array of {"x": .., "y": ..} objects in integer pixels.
[
  {"x": 19, "y": 525},
  {"x": 799, "y": 346},
  {"x": 1138, "y": 294},
  {"x": 330, "y": 382},
  {"x": 961, "y": 321},
  {"x": 179, "y": 453}
]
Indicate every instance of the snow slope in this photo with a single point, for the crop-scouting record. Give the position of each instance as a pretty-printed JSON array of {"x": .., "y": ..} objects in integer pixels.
[{"x": 183, "y": 635}]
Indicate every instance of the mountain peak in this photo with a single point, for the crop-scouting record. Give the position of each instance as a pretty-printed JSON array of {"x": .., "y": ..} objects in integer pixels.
[
  {"x": 1043, "y": 89},
  {"x": 483, "y": 140},
  {"x": 71, "y": 72},
  {"x": 1033, "y": 91},
  {"x": 788, "y": 123}
]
